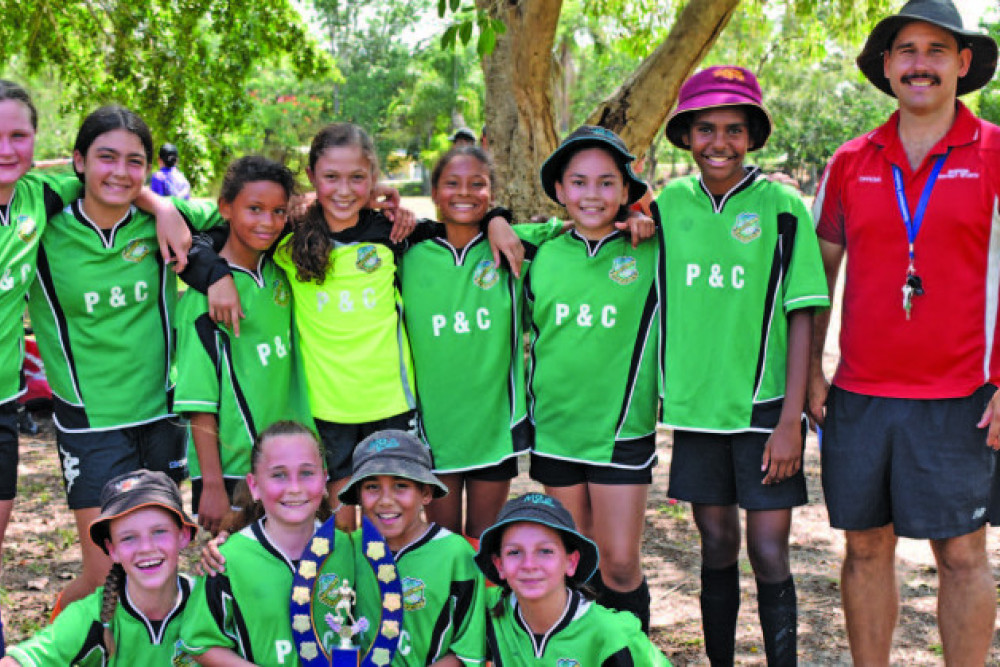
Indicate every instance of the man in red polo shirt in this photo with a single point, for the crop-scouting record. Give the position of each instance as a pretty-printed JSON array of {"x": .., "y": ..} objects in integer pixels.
[{"x": 912, "y": 415}]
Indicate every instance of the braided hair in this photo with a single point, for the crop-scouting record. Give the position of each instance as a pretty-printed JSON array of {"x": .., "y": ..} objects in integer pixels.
[{"x": 113, "y": 587}]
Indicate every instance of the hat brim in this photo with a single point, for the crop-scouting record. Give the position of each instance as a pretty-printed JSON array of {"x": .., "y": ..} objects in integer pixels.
[
  {"x": 871, "y": 59},
  {"x": 100, "y": 528},
  {"x": 679, "y": 120},
  {"x": 489, "y": 545},
  {"x": 384, "y": 466},
  {"x": 555, "y": 164}
]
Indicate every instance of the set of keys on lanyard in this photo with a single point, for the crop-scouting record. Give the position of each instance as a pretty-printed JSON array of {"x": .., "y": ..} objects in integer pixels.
[{"x": 913, "y": 286}]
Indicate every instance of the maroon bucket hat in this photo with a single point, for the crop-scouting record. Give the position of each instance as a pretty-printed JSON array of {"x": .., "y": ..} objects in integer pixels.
[{"x": 720, "y": 86}]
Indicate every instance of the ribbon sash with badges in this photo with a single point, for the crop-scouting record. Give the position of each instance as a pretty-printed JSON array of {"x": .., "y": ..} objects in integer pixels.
[{"x": 301, "y": 606}]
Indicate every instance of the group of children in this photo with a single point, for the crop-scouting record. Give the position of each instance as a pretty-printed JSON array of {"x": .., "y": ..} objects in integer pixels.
[{"x": 700, "y": 321}]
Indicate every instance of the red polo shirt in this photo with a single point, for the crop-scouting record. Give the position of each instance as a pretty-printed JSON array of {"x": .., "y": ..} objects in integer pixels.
[{"x": 947, "y": 348}]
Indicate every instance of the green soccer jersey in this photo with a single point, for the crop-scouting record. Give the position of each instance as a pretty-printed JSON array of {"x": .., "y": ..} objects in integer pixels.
[
  {"x": 735, "y": 269},
  {"x": 443, "y": 599},
  {"x": 464, "y": 317},
  {"x": 101, "y": 308},
  {"x": 595, "y": 328},
  {"x": 246, "y": 609},
  {"x": 76, "y": 637},
  {"x": 587, "y": 635},
  {"x": 248, "y": 382},
  {"x": 350, "y": 327},
  {"x": 22, "y": 223}
]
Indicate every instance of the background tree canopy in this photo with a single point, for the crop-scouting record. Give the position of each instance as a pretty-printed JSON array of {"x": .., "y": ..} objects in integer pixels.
[{"x": 221, "y": 78}]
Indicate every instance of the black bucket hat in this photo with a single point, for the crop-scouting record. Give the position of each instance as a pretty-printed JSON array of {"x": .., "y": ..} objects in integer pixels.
[
  {"x": 589, "y": 136},
  {"x": 547, "y": 511},
  {"x": 395, "y": 453},
  {"x": 134, "y": 490},
  {"x": 943, "y": 14}
]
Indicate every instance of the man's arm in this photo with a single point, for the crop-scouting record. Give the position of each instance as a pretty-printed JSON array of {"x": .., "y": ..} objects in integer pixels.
[{"x": 819, "y": 386}]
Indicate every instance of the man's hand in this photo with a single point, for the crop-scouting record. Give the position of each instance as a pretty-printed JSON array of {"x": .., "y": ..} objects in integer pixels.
[
  {"x": 991, "y": 418},
  {"x": 817, "y": 390}
]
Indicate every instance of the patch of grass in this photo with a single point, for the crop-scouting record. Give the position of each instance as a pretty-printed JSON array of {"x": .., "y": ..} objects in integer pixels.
[
  {"x": 937, "y": 649},
  {"x": 675, "y": 510}
]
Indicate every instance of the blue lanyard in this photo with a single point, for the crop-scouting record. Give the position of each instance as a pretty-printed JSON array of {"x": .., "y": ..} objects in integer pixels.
[{"x": 913, "y": 223}]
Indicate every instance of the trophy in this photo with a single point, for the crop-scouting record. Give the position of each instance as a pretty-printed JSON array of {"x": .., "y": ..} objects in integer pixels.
[{"x": 341, "y": 620}]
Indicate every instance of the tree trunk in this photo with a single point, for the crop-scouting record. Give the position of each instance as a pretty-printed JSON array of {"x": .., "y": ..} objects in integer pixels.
[{"x": 519, "y": 90}]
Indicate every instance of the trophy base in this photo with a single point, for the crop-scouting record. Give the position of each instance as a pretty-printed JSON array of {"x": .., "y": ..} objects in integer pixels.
[{"x": 345, "y": 657}]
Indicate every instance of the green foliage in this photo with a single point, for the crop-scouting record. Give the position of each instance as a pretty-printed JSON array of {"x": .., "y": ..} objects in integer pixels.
[
  {"x": 182, "y": 64},
  {"x": 989, "y": 97},
  {"x": 460, "y": 28}
]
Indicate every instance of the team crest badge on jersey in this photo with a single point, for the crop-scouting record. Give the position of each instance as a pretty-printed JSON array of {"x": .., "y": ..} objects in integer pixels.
[
  {"x": 180, "y": 658},
  {"x": 567, "y": 662},
  {"x": 413, "y": 594},
  {"x": 282, "y": 295},
  {"x": 747, "y": 227},
  {"x": 368, "y": 259},
  {"x": 624, "y": 270},
  {"x": 486, "y": 275},
  {"x": 26, "y": 228},
  {"x": 136, "y": 250}
]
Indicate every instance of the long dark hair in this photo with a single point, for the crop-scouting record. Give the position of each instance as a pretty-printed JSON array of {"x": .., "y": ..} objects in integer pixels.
[
  {"x": 311, "y": 243},
  {"x": 251, "y": 510},
  {"x": 107, "y": 119}
]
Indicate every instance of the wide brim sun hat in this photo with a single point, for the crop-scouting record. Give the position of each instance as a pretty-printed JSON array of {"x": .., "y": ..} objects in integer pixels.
[
  {"x": 134, "y": 490},
  {"x": 715, "y": 87},
  {"x": 943, "y": 14},
  {"x": 547, "y": 511},
  {"x": 590, "y": 136},
  {"x": 394, "y": 453}
]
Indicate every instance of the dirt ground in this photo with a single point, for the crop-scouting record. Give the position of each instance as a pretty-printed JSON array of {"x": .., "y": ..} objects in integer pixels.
[{"x": 40, "y": 556}]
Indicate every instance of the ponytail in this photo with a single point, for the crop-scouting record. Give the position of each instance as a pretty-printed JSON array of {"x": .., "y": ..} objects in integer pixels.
[
  {"x": 311, "y": 245},
  {"x": 113, "y": 586}
]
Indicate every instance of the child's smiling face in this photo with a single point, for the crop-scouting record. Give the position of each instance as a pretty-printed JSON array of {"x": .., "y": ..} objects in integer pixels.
[
  {"x": 146, "y": 542},
  {"x": 394, "y": 504},
  {"x": 288, "y": 479},
  {"x": 114, "y": 169},
  {"x": 534, "y": 562},
  {"x": 343, "y": 179},
  {"x": 462, "y": 193},
  {"x": 593, "y": 190},
  {"x": 719, "y": 140},
  {"x": 17, "y": 142}
]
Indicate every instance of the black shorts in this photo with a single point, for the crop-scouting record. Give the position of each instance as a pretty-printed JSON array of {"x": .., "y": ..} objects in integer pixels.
[
  {"x": 724, "y": 469},
  {"x": 558, "y": 472},
  {"x": 8, "y": 450},
  {"x": 921, "y": 465},
  {"x": 504, "y": 471},
  {"x": 339, "y": 440},
  {"x": 197, "y": 486},
  {"x": 90, "y": 459}
]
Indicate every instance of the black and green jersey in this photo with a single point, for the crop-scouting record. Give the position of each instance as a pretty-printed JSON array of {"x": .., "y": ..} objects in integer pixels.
[
  {"x": 593, "y": 383},
  {"x": 245, "y": 609},
  {"x": 249, "y": 382},
  {"x": 736, "y": 267},
  {"x": 350, "y": 326},
  {"x": 443, "y": 599},
  {"x": 76, "y": 637},
  {"x": 463, "y": 314},
  {"x": 101, "y": 308},
  {"x": 587, "y": 635},
  {"x": 22, "y": 223}
]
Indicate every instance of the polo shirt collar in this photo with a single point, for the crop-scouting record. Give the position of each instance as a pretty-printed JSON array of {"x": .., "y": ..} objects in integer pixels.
[{"x": 965, "y": 130}]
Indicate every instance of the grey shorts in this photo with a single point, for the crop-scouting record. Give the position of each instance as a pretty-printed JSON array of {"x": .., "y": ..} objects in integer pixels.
[{"x": 921, "y": 465}]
